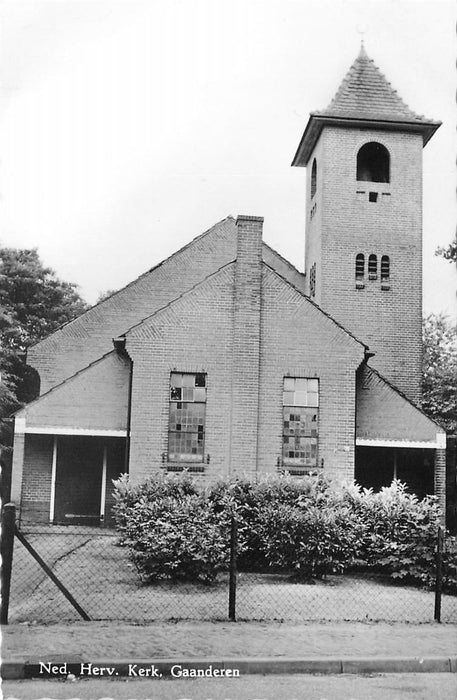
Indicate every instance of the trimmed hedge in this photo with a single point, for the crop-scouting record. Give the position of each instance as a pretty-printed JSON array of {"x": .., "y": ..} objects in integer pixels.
[{"x": 310, "y": 527}]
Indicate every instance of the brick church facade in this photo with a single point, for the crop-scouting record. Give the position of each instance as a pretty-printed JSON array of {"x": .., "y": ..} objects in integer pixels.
[{"x": 226, "y": 360}]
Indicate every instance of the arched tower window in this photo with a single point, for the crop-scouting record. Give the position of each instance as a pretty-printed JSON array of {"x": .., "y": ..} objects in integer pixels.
[
  {"x": 373, "y": 163},
  {"x": 360, "y": 266},
  {"x": 372, "y": 267},
  {"x": 313, "y": 178},
  {"x": 385, "y": 268}
]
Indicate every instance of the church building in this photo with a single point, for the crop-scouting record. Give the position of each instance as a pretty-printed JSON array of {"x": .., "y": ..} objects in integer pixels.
[{"x": 225, "y": 360}]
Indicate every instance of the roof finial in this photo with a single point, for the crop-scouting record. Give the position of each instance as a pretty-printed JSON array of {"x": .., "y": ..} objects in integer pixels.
[{"x": 362, "y": 30}]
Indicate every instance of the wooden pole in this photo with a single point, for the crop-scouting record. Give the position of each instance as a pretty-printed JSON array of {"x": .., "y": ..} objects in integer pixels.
[
  {"x": 233, "y": 569},
  {"x": 51, "y": 575},
  {"x": 439, "y": 574},
  {"x": 7, "y": 546}
]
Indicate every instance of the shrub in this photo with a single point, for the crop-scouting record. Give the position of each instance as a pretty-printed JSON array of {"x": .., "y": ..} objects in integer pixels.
[
  {"x": 400, "y": 531},
  {"x": 450, "y": 566},
  {"x": 251, "y": 499},
  {"x": 177, "y": 538},
  {"x": 127, "y": 496},
  {"x": 308, "y": 538},
  {"x": 309, "y": 526}
]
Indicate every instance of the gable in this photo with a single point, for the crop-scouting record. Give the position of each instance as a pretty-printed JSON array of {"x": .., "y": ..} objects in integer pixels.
[
  {"x": 87, "y": 338},
  {"x": 299, "y": 318},
  {"x": 210, "y": 299},
  {"x": 385, "y": 417},
  {"x": 94, "y": 400}
]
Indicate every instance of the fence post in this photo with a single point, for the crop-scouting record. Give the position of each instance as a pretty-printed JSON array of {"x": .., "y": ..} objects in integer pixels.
[
  {"x": 233, "y": 569},
  {"x": 439, "y": 573},
  {"x": 7, "y": 546}
]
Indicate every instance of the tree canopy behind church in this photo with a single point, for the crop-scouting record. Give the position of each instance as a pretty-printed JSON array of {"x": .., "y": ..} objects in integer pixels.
[
  {"x": 439, "y": 370},
  {"x": 33, "y": 304}
]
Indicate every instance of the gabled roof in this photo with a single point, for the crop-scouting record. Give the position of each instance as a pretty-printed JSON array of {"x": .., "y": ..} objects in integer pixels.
[
  {"x": 83, "y": 340},
  {"x": 93, "y": 399},
  {"x": 317, "y": 307},
  {"x": 365, "y": 97},
  {"x": 386, "y": 417}
]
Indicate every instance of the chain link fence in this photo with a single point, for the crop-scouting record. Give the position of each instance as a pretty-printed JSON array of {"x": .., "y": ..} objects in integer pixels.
[{"x": 87, "y": 567}]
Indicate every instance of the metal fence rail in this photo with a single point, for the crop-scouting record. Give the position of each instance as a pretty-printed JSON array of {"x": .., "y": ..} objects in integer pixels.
[{"x": 101, "y": 579}]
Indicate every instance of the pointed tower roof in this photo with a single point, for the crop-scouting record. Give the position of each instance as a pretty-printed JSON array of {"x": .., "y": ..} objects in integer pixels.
[{"x": 364, "y": 98}]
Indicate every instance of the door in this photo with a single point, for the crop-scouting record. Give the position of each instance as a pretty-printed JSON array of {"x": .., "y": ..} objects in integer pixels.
[{"x": 78, "y": 480}]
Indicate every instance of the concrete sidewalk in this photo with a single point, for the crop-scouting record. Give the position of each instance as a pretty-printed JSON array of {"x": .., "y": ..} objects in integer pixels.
[{"x": 253, "y": 647}]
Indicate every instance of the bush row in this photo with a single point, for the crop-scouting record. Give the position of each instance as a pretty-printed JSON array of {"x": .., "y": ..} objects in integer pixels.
[{"x": 310, "y": 527}]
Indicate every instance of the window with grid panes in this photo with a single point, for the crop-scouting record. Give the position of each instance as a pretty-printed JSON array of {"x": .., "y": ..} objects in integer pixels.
[
  {"x": 300, "y": 421},
  {"x": 186, "y": 426}
]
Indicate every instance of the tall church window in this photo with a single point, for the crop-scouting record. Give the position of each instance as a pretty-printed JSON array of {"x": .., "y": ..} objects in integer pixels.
[
  {"x": 385, "y": 268},
  {"x": 313, "y": 178},
  {"x": 187, "y": 413},
  {"x": 300, "y": 421},
  {"x": 360, "y": 266},
  {"x": 372, "y": 267},
  {"x": 373, "y": 163}
]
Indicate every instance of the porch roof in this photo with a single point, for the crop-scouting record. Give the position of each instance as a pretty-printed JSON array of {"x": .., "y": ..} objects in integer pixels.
[
  {"x": 93, "y": 401},
  {"x": 386, "y": 418}
]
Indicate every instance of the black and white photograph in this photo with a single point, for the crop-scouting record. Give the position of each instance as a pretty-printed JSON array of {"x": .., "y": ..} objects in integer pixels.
[{"x": 228, "y": 349}]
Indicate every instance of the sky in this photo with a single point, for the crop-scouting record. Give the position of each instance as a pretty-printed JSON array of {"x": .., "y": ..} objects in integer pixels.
[{"x": 130, "y": 127}]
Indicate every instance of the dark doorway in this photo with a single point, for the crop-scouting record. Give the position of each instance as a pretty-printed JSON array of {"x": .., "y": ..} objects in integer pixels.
[
  {"x": 78, "y": 480},
  {"x": 376, "y": 467}
]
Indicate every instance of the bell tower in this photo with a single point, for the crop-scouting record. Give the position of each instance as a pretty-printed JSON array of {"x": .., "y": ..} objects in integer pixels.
[{"x": 363, "y": 249}]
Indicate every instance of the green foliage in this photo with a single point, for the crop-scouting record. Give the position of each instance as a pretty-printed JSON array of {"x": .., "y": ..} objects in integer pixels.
[
  {"x": 170, "y": 531},
  {"x": 450, "y": 566},
  {"x": 309, "y": 527},
  {"x": 33, "y": 303},
  {"x": 399, "y": 531},
  {"x": 450, "y": 252},
  {"x": 128, "y": 497},
  {"x": 439, "y": 370},
  {"x": 249, "y": 499},
  {"x": 309, "y": 539}
]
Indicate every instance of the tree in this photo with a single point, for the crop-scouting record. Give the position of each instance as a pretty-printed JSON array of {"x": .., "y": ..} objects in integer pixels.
[
  {"x": 33, "y": 304},
  {"x": 449, "y": 253},
  {"x": 104, "y": 295},
  {"x": 439, "y": 370}
]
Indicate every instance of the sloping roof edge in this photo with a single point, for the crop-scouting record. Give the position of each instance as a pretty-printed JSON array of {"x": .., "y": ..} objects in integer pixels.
[
  {"x": 316, "y": 306},
  {"x": 143, "y": 274},
  {"x": 17, "y": 413},
  {"x": 317, "y": 122},
  {"x": 403, "y": 396}
]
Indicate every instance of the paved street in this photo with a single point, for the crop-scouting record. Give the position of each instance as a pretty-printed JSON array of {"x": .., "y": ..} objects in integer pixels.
[{"x": 382, "y": 687}]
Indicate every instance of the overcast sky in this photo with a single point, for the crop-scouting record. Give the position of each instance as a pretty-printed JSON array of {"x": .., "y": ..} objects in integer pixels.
[{"x": 129, "y": 127}]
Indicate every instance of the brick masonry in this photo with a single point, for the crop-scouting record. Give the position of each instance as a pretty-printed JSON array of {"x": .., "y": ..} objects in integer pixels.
[
  {"x": 346, "y": 223},
  {"x": 35, "y": 494},
  {"x": 230, "y": 307},
  {"x": 87, "y": 338},
  {"x": 36, "y": 484},
  {"x": 95, "y": 398},
  {"x": 245, "y": 327},
  {"x": 383, "y": 413}
]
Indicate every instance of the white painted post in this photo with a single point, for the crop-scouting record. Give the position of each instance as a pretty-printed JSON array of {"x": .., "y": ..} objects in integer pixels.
[
  {"x": 53, "y": 480},
  {"x": 103, "y": 493}
]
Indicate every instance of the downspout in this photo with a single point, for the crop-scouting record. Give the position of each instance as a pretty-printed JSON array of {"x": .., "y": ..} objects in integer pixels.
[
  {"x": 119, "y": 344},
  {"x": 129, "y": 418}
]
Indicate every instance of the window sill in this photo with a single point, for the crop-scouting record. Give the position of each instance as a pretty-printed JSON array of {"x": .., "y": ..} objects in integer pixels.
[
  {"x": 186, "y": 467},
  {"x": 385, "y": 286},
  {"x": 360, "y": 285},
  {"x": 300, "y": 471}
]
